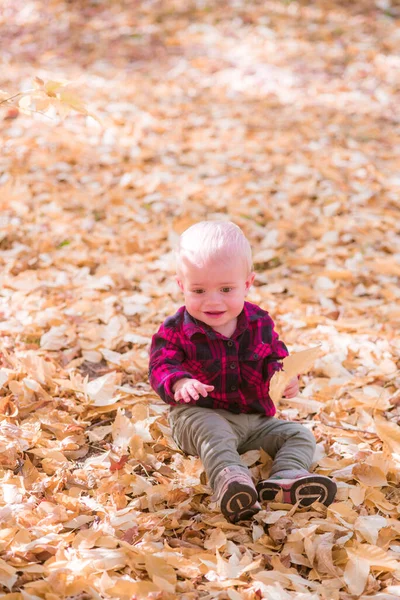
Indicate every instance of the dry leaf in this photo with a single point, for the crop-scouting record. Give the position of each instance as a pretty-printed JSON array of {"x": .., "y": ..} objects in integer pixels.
[
  {"x": 356, "y": 573},
  {"x": 102, "y": 390},
  {"x": 369, "y": 527},
  {"x": 8, "y": 575},
  {"x": 216, "y": 540},
  {"x": 293, "y": 365},
  {"x": 389, "y": 433},
  {"x": 376, "y": 557},
  {"x": 93, "y": 483},
  {"x": 370, "y": 475},
  {"x": 161, "y": 573}
]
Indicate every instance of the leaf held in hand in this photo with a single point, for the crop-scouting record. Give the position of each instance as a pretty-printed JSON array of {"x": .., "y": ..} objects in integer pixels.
[{"x": 293, "y": 365}]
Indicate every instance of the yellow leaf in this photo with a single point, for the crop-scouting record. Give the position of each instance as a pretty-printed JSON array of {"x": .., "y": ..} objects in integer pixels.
[
  {"x": 356, "y": 573},
  {"x": 216, "y": 540},
  {"x": 29, "y": 473},
  {"x": 389, "y": 433},
  {"x": 369, "y": 475},
  {"x": 369, "y": 527},
  {"x": 378, "y": 499},
  {"x": 324, "y": 555},
  {"x": 70, "y": 99},
  {"x": 376, "y": 557},
  {"x": 373, "y": 396},
  {"x": 122, "y": 431},
  {"x": 125, "y": 590},
  {"x": 227, "y": 569},
  {"x": 300, "y": 362},
  {"x": 102, "y": 389},
  {"x": 161, "y": 573},
  {"x": 97, "y": 559},
  {"x": 51, "y": 87},
  {"x": 7, "y": 575},
  {"x": 357, "y": 494},
  {"x": 344, "y": 511},
  {"x": 293, "y": 365}
]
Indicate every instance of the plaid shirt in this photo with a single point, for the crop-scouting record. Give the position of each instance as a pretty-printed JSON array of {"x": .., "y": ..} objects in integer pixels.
[{"x": 239, "y": 367}]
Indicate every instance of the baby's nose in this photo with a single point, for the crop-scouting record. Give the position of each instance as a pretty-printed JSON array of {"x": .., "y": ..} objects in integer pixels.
[{"x": 213, "y": 297}]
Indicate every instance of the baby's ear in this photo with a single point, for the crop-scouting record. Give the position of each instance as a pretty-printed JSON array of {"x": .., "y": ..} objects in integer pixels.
[
  {"x": 249, "y": 281},
  {"x": 179, "y": 282}
]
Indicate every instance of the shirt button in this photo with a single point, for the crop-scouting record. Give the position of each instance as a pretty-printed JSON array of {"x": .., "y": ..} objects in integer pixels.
[
  {"x": 255, "y": 355},
  {"x": 233, "y": 388},
  {"x": 232, "y": 366},
  {"x": 230, "y": 343}
]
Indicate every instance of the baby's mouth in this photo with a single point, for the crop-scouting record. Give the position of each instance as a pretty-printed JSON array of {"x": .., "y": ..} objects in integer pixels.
[{"x": 214, "y": 313}]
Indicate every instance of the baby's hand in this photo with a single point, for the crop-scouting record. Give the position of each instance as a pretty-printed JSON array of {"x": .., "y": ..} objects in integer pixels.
[
  {"x": 189, "y": 389},
  {"x": 292, "y": 388}
]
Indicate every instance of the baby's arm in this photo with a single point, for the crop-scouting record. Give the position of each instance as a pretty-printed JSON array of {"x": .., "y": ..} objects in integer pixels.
[
  {"x": 165, "y": 365},
  {"x": 166, "y": 374},
  {"x": 273, "y": 362}
]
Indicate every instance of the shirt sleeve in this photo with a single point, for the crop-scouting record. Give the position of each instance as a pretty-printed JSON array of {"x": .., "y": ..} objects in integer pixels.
[
  {"x": 273, "y": 362},
  {"x": 165, "y": 365}
]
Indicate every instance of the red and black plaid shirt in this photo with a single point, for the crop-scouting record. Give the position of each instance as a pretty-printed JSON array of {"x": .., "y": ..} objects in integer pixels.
[{"x": 239, "y": 368}]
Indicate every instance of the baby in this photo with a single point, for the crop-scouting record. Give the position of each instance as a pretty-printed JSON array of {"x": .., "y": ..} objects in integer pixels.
[{"x": 212, "y": 361}]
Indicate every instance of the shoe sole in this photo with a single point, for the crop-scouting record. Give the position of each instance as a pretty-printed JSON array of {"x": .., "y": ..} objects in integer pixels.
[
  {"x": 237, "y": 501},
  {"x": 305, "y": 490},
  {"x": 245, "y": 515}
]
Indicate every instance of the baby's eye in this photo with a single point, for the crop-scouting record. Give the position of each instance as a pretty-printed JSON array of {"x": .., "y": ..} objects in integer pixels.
[
  {"x": 198, "y": 291},
  {"x": 226, "y": 290}
]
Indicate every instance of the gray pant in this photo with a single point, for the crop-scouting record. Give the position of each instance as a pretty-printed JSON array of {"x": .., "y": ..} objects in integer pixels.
[{"x": 218, "y": 437}]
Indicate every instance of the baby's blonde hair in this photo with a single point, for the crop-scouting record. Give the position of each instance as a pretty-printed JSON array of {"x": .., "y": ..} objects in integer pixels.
[{"x": 209, "y": 240}]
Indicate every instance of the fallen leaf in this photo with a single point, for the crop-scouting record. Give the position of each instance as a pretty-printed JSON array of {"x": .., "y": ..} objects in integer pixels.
[
  {"x": 293, "y": 365},
  {"x": 161, "y": 573},
  {"x": 102, "y": 390}
]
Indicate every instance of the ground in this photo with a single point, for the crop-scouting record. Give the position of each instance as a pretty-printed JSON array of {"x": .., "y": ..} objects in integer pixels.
[{"x": 281, "y": 116}]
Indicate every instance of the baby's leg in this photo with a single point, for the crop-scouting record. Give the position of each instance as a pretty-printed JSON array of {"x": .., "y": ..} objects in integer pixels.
[
  {"x": 290, "y": 444},
  {"x": 214, "y": 435},
  {"x": 206, "y": 433},
  {"x": 292, "y": 447}
]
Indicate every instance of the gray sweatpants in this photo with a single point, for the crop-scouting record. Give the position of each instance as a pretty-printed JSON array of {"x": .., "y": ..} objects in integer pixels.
[{"x": 218, "y": 437}]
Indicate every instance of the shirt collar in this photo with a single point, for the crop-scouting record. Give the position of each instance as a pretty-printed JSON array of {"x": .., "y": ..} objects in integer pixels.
[{"x": 191, "y": 326}]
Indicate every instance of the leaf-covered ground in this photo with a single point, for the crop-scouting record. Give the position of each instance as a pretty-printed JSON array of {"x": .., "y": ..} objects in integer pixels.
[{"x": 282, "y": 116}]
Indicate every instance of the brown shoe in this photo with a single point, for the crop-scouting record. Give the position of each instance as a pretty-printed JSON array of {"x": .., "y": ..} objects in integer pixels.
[
  {"x": 305, "y": 489},
  {"x": 236, "y": 494}
]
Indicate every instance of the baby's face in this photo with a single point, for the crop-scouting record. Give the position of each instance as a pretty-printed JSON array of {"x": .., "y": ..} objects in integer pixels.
[{"x": 215, "y": 293}]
